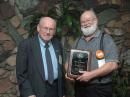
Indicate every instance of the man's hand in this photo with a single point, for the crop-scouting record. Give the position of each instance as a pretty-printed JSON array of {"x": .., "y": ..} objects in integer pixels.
[
  {"x": 32, "y": 96},
  {"x": 69, "y": 78},
  {"x": 86, "y": 76},
  {"x": 99, "y": 72}
]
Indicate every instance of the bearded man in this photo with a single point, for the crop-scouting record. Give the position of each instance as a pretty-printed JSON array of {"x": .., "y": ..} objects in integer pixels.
[{"x": 96, "y": 82}]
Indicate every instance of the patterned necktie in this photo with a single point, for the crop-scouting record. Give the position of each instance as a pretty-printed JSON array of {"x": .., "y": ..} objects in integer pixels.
[{"x": 49, "y": 64}]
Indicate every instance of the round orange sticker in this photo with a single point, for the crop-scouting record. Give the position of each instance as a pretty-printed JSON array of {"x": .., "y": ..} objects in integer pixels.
[{"x": 99, "y": 54}]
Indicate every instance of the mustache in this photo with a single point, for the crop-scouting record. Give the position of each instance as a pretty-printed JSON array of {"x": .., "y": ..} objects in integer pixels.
[{"x": 86, "y": 26}]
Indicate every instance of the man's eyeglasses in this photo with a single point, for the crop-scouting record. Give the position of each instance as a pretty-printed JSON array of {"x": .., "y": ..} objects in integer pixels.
[{"x": 46, "y": 29}]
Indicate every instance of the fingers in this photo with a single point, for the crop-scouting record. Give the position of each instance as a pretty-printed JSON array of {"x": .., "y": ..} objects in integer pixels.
[
  {"x": 82, "y": 78},
  {"x": 79, "y": 78},
  {"x": 69, "y": 78}
]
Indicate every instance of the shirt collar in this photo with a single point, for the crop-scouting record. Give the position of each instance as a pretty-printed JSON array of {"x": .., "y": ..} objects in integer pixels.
[
  {"x": 42, "y": 42},
  {"x": 97, "y": 33}
]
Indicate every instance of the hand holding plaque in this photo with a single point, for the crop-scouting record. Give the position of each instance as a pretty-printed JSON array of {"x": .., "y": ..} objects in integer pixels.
[{"x": 79, "y": 61}]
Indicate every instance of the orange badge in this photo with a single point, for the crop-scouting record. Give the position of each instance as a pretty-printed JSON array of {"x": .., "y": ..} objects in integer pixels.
[{"x": 99, "y": 54}]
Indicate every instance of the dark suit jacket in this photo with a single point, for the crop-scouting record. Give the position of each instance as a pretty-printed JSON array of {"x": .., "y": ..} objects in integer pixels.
[{"x": 29, "y": 68}]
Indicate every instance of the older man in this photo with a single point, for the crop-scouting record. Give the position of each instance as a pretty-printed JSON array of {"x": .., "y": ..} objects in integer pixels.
[
  {"x": 39, "y": 65},
  {"x": 97, "y": 81}
]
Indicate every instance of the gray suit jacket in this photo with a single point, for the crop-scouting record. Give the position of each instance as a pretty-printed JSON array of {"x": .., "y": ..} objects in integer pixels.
[{"x": 29, "y": 68}]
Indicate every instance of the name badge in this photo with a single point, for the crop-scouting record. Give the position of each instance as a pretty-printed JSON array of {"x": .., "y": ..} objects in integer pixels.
[
  {"x": 100, "y": 57},
  {"x": 101, "y": 62}
]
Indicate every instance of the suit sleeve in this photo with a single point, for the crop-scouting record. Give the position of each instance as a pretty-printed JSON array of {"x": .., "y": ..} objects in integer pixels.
[{"x": 22, "y": 70}]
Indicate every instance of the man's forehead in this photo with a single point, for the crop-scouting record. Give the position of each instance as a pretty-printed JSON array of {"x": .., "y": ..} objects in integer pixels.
[
  {"x": 88, "y": 15},
  {"x": 46, "y": 20}
]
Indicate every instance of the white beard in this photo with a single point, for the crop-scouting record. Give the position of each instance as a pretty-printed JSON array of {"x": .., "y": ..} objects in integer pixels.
[{"x": 87, "y": 31}]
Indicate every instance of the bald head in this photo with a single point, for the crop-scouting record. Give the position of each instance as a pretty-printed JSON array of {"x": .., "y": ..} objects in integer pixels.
[{"x": 44, "y": 20}]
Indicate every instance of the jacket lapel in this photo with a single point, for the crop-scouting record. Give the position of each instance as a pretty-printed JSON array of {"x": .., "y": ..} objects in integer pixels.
[
  {"x": 38, "y": 56},
  {"x": 58, "y": 54},
  {"x": 57, "y": 51}
]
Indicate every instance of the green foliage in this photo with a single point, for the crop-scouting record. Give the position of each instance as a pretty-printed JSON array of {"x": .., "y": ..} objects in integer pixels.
[
  {"x": 68, "y": 19},
  {"x": 67, "y": 15}
]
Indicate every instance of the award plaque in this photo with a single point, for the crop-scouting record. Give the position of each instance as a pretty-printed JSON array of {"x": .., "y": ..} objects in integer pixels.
[{"x": 79, "y": 61}]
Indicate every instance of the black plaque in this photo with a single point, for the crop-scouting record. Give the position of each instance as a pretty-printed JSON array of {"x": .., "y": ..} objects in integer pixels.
[{"x": 79, "y": 61}]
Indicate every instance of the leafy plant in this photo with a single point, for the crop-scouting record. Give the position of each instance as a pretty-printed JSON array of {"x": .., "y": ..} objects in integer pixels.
[
  {"x": 67, "y": 15},
  {"x": 68, "y": 19}
]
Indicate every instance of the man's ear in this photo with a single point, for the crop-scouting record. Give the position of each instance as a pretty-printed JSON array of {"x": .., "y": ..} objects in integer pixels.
[{"x": 38, "y": 28}]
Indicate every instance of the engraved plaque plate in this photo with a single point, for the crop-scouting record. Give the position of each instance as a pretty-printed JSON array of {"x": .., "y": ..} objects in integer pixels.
[{"x": 79, "y": 61}]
